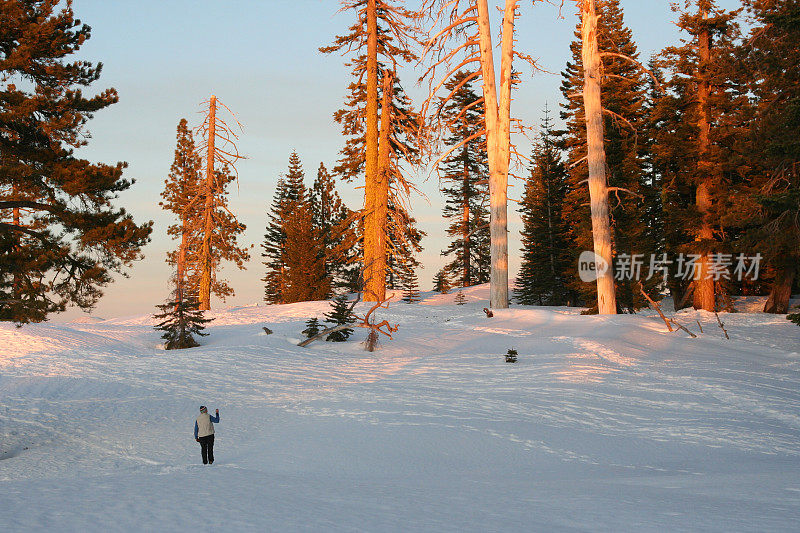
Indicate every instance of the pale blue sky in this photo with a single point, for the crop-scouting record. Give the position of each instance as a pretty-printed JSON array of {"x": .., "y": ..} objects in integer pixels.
[{"x": 260, "y": 58}]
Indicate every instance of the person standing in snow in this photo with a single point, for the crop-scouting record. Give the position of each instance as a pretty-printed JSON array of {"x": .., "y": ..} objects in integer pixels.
[{"x": 204, "y": 434}]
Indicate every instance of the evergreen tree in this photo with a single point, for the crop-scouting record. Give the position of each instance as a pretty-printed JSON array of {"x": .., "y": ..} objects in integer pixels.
[
  {"x": 272, "y": 245},
  {"x": 313, "y": 327},
  {"x": 772, "y": 60},
  {"x": 61, "y": 237},
  {"x": 404, "y": 243},
  {"x": 409, "y": 283},
  {"x": 224, "y": 238},
  {"x": 623, "y": 94},
  {"x": 546, "y": 260},
  {"x": 441, "y": 282},
  {"x": 693, "y": 133},
  {"x": 303, "y": 277},
  {"x": 381, "y": 40},
  {"x": 293, "y": 248},
  {"x": 181, "y": 320},
  {"x": 337, "y": 229},
  {"x": 466, "y": 171},
  {"x": 182, "y": 189},
  {"x": 339, "y": 315},
  {"x": 460, "y": 298}
]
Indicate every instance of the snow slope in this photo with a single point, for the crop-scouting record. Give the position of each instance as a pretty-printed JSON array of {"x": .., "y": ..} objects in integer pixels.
[{"x": 604, "y": 424}]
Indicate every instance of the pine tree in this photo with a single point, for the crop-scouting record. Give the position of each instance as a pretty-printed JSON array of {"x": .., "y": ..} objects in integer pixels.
[
  {"x": 303, "y": 277},
  {"x": 468, "y": 24},
  {"x": 61, "y": 236},
  {"x": 404, "y": 243},
  {"x": 272, "y": 245},
  {"x": 339, "y": 315},
  {"x": 460, "y": 298},
  {"x": 181, "y": 320},
  {"x": 441, "y": 282},
  {"x": 623, "y": 97},
  {"x": 467, "y": 170},
  {"x": 771, "y": 56},
  {"x": 182, "y": 190},
  {"x": 692, "y": 140},
  {"x": 546, "y": 261},
  {"x": 313, "y": 327},
  {"x": 381, "y": 127},
  {"x": 409, "y": 283},
  {"x": 336, "y": 225},
  {"x": 225, "y": 235},
  {"x": 293, "y": 247},
  {"x": 220, "y": 228}
]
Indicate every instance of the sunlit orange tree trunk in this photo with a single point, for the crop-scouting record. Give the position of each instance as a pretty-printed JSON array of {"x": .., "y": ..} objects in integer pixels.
[{"x": 379, "y": 123}]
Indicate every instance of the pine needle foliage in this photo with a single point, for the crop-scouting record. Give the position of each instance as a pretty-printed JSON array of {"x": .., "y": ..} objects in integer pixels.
[
  {"x": 340, "y": 315},
  {"x": 181, "y": 321},
  {"x": 62, "y": 234},
  {"x": 464, "y": 174},
  {"x": 313, "y": 327},
  {"x": 546, "y": 260}
]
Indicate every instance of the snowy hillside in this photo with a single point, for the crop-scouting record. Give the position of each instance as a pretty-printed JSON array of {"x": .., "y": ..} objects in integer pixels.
[{"x": 604, "y": 424}]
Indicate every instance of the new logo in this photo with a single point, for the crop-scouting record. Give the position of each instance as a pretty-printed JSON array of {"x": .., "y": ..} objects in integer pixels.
[{"x": 591, "y": 266}]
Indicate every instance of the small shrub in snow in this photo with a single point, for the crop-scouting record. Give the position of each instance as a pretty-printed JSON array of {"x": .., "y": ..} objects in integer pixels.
[
  {"x": 180, "y": 320},
  {"x": 460, "y": 298},
  {"x": 340, "y": 314},
  {"x": 511, "y": 356},
  {"x": 313, "y": 327}
]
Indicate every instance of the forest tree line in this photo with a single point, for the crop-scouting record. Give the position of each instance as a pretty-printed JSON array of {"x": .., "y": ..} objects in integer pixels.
[{"x": 691, "y": 153}]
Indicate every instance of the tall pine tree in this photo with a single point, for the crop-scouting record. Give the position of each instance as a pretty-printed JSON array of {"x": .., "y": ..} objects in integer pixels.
[
  {"x": 465, "y": 172},
  {"x": 181, "y": 195},
  {"x": 337, "y": 229},
  {"x": 293, "y": 246},
  {"x": 61, "y": 236},
  {"x": 381, "y": 128},
  {"x": 546, "y": 259},
  {"x": 772, "y": 58},
  {"x": 693, "y": 135}
]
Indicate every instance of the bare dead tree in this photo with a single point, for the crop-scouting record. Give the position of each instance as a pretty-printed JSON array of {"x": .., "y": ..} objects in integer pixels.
[
  {"x": 218, "y": 147},
  {"x": 376, "y": 328},
  {"x": 598, "y": 184},
  {"x": 721, "y": 326},
  {"x": 461, "y": 39}
]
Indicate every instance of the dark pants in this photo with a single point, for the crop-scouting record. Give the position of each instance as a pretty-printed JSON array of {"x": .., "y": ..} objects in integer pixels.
[{"x": 207, "y": 449}]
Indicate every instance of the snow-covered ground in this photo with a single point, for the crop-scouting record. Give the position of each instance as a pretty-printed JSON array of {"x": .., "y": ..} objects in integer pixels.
[{"x": 604, "y": 424}]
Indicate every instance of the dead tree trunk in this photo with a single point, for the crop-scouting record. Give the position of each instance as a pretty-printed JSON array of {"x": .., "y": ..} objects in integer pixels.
[
  {"x": 180, "y": 275},
  {"x": 498, "y": 128},
  {"x": 704, "y": 297},
  {"x": 374, "y": 284},
  {"x": 208, "y": 214},
  {"x": 598, "y": 185}
]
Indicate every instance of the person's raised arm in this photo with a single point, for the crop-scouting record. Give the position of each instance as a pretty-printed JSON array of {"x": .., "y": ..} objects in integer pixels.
[{"x": 215, "y": 419}]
